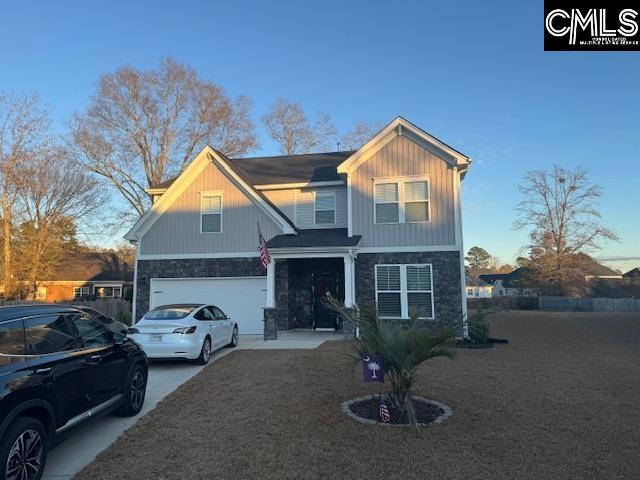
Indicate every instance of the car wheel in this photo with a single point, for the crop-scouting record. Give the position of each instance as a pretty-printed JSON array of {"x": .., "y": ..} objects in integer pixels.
[
  {"x": 23, "y": 453},
  {"x": 205, "y": 352},
  {"x": 234, "y": 338},
  {"x": 134, "y": 392}
]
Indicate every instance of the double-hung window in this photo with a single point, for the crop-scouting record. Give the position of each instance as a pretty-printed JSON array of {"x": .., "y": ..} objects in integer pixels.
[
  {"x": 401, "y": 201},
  {"x": 387, "y": 202},
  {"x": 325, "y": 208},
  {"x": 211, "y": 213},
  {"x": 404, "y": 290}
]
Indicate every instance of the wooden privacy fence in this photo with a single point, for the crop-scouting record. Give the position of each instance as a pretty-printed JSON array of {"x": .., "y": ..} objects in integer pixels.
[
  {"x": 590, "y": 304},
  {"x": 111, "y": 307}
]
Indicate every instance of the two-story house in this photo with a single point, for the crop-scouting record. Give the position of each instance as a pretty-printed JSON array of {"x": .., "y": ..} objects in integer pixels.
[{"x": 378, "y": 227}]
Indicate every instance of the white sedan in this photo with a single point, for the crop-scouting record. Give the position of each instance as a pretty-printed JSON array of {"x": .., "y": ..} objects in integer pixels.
[{"x": 190, "y": 331}]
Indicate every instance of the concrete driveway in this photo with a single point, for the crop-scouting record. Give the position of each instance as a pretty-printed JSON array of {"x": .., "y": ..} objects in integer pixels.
[{"x": 80, "y": 446}]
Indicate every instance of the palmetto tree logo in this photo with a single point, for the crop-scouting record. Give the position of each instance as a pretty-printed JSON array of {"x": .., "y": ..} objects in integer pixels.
[{"x": 374, "y": 367}]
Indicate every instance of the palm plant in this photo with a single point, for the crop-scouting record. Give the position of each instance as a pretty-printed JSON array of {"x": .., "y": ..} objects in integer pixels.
[{"x": 402, "y": 348}]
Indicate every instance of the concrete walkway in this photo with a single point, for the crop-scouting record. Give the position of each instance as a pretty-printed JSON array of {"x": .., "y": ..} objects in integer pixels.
[
  {"x": 302, "y": 339},
  {"x": 79, "y": 446}
]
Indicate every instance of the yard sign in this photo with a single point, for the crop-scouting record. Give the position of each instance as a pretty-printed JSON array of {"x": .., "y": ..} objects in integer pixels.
[{"x": 372, "y": 368}]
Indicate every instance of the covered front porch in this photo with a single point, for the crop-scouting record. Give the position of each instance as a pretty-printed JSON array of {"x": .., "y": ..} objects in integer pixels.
[{"x": 298, "y": 282}]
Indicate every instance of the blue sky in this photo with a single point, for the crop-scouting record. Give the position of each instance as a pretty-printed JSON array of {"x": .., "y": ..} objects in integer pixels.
[{"x": 471, "y": 73}]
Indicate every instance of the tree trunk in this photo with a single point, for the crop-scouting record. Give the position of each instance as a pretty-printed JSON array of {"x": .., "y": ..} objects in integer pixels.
[{"x": 6, "y": 247}]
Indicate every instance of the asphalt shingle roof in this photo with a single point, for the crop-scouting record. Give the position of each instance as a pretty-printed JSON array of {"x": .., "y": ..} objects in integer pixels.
[
  {"x": 325, "y": 237},
  {"x": 92, "y": 267},
  {"x": 311, "y": 167}
]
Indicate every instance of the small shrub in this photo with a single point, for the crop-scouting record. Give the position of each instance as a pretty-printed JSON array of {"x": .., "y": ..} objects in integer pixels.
[
  {"x": 478, "y": 329},
  {"x": 124, "y": 317}
]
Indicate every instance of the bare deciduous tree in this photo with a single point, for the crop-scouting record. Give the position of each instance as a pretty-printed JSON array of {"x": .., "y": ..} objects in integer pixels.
[
  {"x": 55, "y": 193},
  {"x": 360, "y": 134},
  {"x": 288, "y": 125},
  {"x": 560, "y": 209},
  {"x": 23, "y": 121},
  {"x": 142, "y": 127}
]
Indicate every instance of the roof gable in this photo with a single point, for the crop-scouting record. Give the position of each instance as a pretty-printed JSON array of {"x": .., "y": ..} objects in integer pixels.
[
  {"x": 193, "y": 170},
  {"x": 92, "y": 266},
  {"x": 401, "y": 127}
]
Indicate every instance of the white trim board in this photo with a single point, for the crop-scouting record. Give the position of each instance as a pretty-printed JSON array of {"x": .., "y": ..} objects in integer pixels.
[
  {"x": 303, "y": 252},
  {"x": 187, "y": 256},
  {"x": 409, "y": 248},
  {"x": 287, "y": 186}
]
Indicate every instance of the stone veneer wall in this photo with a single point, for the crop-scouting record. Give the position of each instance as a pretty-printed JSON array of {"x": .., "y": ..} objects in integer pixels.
[
  {"x": 190, "y": 268},
  {"x": 446, "y": 283},
  {"x": 282, "y": 294}
]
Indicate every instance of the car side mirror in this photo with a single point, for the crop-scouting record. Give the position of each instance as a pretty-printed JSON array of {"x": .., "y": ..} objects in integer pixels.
[
  {"x": 118, "y": 338},
  {"x": 227, "y": 317}
]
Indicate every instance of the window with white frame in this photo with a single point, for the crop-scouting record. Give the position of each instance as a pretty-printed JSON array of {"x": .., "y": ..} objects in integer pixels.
[
  {"x": 325, "y": 208},
  {"x": 80, "y": 292},
  {"x": 387, "y": 203},
  {"x": 211, "y": 213},
  {"x": 404, "y": 289},
  {"x": 108, "y": 291},
  {"x": 401, "y": 201}
]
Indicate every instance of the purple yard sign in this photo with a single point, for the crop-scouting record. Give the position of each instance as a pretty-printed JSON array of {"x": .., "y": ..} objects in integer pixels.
[{"x": 372, "y": 367}]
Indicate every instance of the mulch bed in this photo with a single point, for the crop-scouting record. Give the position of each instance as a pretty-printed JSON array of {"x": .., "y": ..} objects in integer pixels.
[
  {"x": 559, "y": 402},
  {"x": 370, "y": 409}
]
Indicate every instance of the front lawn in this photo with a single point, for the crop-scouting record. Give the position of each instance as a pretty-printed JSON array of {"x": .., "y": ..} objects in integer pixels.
[{"x": 559, "y": 402}]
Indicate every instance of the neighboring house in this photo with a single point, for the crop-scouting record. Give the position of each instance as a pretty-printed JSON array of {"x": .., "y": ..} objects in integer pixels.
[
  {"x": 509, "y": 284},
  {"x": 377, "y": 226},
  {"x": 633, "y": 274},
  {"x": 593, "y": 270},
  {"x": 477, "y": 288},
  {"x": 100, "y": 275}
]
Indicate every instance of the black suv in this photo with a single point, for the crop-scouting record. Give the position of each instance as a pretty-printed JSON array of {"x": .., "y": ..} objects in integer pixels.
[{"x": 58, "y": 367}]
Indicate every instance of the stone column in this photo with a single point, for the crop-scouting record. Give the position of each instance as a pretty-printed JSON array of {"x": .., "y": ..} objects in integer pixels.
[
  {"x": 348, "y": 328},
  {"x": 270, "y": 324}
]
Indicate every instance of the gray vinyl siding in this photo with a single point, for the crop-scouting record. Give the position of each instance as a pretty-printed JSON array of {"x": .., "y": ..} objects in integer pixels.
[
  {"x": 299, "y": 205},
  {"x": 177, "y": 231},
  {"x": 398, "y": 158}
]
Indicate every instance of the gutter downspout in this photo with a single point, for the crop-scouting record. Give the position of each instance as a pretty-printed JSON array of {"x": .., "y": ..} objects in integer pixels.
[
  {"x": 457, "y": 184},
  {"x": 135, "y": 284}
]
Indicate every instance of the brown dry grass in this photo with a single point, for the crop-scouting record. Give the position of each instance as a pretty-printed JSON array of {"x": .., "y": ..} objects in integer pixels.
[{"x": 559, "y": 402}]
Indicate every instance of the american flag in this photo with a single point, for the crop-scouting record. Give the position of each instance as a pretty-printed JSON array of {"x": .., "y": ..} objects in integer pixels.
[
  {"x": 385, "y": 417},
  {"x": 265, "y": 258}
]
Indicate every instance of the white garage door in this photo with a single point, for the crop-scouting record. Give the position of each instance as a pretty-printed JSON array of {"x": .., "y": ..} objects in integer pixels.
[{"x": 240, "y": 298}]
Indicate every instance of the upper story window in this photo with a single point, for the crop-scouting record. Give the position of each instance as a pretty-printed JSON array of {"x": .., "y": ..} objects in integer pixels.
[
  {"x": 401, "y": 201},
  {"x": 211, "y": 213},
  {"x": 325, "y": 208}
]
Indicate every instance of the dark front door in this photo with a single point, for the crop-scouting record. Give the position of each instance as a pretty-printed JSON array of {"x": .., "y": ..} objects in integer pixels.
[{"x": 324, "y": 285}]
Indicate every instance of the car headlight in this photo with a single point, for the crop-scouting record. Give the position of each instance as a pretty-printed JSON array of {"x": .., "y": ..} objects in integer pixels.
[{"x": 185, "y": 330}]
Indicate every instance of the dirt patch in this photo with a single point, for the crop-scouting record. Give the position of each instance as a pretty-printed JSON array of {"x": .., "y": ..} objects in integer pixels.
[{"x": 559, "y": 402}]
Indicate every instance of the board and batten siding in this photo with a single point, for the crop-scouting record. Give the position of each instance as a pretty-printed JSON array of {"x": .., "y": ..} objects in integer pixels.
[
  {"x": 177, "y": 231},
  {"x": 299, "y": 205},
  {"x": 399, "y": 158}
]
